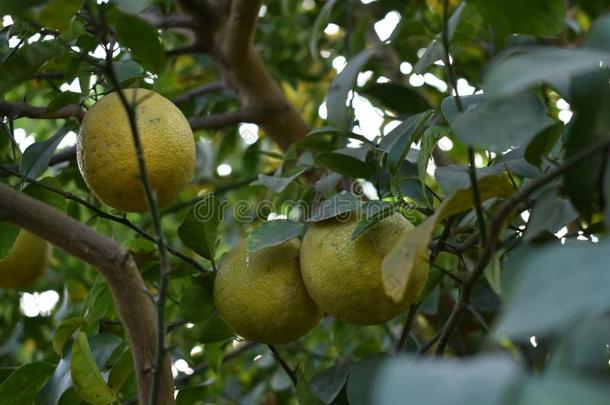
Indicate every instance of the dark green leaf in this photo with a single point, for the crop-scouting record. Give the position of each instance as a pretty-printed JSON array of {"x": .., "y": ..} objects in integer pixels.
[
  {"x": 435, "y": 51},
  {"x": 199, "y": 229},
  {"x": 327, "y": 384},
  {"x": 25, "y": 62},
  {"x": 550, "y": 214},
  {"x": 57, "y": 13},
  {"x": 142, "y": 38},
  {"x": 45, "y": 195},
  {"x": 497, "y": 125},
  {"x": 337, "y": 205},
  {"x": 127, "y": 70},
  {"x": 196, "y": 304},
  {"x": 398, "y": 142},
  {"x": 532, "y": 17},
  {"x": 23, "y": 384},
  {"x": 360, "y": 380},
  {"x": 397, "y": 97},
  {"x": 553, "y": 287},
  {"x": 273, "y": 233},
  {"x": 321, "y": 21},
  {"x": 8, "y": 236},
  {"x": 59, "y": 382},
  {"x": 64, "y": 331},
  {"x": 121, "y": 371},
  {"x": 533, "y": 66},
  {"x": 62, "y": 100},
  {"x": 542, "y": 144},
  {"x": 344, "y": 164},
  {"x": 373, "y": 212},
  {"x": 133, "y": 6},
  {"x": 429, "y": 139},
  {"x": 37, "y": 156},
  {"x": 276, "y": 183},
  {"x": 214, "y": 330},
  {"x": 336, "y": 101}
]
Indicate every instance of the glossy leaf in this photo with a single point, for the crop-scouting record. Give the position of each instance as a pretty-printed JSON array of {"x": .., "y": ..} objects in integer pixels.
[
  {"x": 22, "y": 385},
  {"x": 64, "y": 331},
  {"x": 344, "y": 164},
  {"x": 339, "y": 204},
  {"x": 276, "y": 183},
  {"x": 327, "y": 384},
  {"x": 273, "y": 233},
  {"x": 25, "y": 62},
  {"x": 196, "y": 304},
  {"x": 199, "y": 229},
  {"x": 37, "y": 156},
  {"x": 8, "y": 236}
]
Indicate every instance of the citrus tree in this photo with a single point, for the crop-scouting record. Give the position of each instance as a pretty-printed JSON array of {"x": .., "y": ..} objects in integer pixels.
[{"x": 303, "y": 201}]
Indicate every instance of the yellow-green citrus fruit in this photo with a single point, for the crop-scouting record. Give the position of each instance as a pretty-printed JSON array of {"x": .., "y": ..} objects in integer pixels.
[
  {"x": 107, "y": 156},
  {"x": 343, "y": 276},
  {"x": 26, "y": 262},
  {"x": 261, "y": 295}
]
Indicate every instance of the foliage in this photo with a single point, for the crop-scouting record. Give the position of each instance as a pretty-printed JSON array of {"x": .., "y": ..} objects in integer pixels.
[{"x": 517, "y": 298}]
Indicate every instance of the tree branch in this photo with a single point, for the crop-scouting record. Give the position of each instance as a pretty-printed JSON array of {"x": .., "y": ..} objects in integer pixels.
[
  {"x": 199, "y": 91},
  {"x": 242, "y": 24},
  {"x": 225, "y": 119},
  {"x": 19, "y": 110},
  {"x": 495, "y": 228},
  {"x": 114, "y": 263}
]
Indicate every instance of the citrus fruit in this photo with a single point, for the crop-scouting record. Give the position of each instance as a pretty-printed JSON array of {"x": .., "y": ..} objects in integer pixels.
[
  {"x": 261, "y": 295},
  {"x": 343, "y": 276},
  {"x": 107, "y": 156},
  {"x": 26, "y": 262}
]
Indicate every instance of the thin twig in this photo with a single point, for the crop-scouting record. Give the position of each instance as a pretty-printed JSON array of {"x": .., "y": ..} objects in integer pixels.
[
  {"x": 151, "y": 199},
  {"x": 198, "y": 91},
  {"x": 291, "y": 374},
  {"x": 496, "y": 226},
  {"x": 406, "y": 329},
  {"x": 246, "y": 114}
]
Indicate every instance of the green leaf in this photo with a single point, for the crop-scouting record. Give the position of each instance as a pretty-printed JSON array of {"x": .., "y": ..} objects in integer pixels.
[
  {"x": 64, "y": 331},
  {"x": 25, "y": 62},
  {"x": 435, "y": 51},
  {"x": 45, "y": 195},
  {"x": 199, "y": 229},
  {"x": 327, "y": 384},
  {"x": 8, "y": 236},
  {"x": 22, "y": 385},
  {"x": 86, "y": 375},
  {"x": 273, "y": 233},
  {"x": 344, "y": 164},
  {"x": 276, "y": 183},
  {"x": 525, "y": 68},
  {"x": 482, "y": 380},
  {"x": 62, "y": 100},
  {"x": 398, "y": 264},
  {"x": 339, "y": 204},
  {"x": 121, "y": 371},
  {"x": 361, "y": 376},
  {"x": 374, "y": 211},
  {"x": 499, "y": 124},
  {"x": 531, "y": 17},
  {"x": 562, "y": 389},
  {"x": 398, "y": 142},
  {"x": 542, "y": 144},
  {"x": 396, "y": 97},
  {"x": 196, "y": 304},
  {"x": 57, "y": 14},
  {"x": 37, "y": 156},
  {"x": 336, "y": 100},
  {"x": 554, "y": 286},
  {"x": 428, "y": 142},
  {"x": 127, "y": 71},
  {"x": 59, "y": 382},
  {"x": 550, "y": 214},
  {"x": 214, "y": 330},
  {"x": 319, "y": 25},
  {"x": 133, "y": 6},
  {"x": 141, "y": 37}
]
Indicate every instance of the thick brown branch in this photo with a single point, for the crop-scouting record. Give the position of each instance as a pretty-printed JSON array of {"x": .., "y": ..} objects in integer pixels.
[
  {"x": 19, "y": 110},
  {"x": 130, "y": 295}
]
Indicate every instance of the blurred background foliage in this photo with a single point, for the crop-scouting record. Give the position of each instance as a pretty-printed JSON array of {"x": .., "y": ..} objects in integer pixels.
[{"x": 536, "y": 326}]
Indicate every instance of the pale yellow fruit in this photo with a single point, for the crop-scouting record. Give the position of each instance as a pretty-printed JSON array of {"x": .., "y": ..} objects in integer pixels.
[
  {"x": 107, "y": 157},
  {"x": 261, "y": 295},
  {"x": 26, "y": 262},
  {"x": 343, "y": 276}
]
